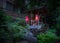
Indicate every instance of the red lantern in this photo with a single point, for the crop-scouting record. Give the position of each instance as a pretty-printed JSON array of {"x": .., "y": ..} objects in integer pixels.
[
  {"x": 36, "y": 18},
  {"x": 27, "y": 19}
]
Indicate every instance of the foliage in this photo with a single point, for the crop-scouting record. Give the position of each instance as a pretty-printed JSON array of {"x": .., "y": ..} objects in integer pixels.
[
  {"x": 4, "y": 32},
  {"x": 10, "y": 30},
  {"x": 15, "y": 29},
  {"x": 20, "y": 3},
  {"x": 30, "y": 3},
  {"x": 18, "y": 29},
  {"x": 57, "y": 26},
  {"x": 22, "y": 22},
  {"x": 8, "y": 19},
  {"x": 48, "y": 37},
  {"x": 2, "y": 17}
]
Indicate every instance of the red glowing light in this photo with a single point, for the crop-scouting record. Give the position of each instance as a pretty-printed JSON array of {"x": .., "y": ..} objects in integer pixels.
[
  {"x": 27, "y": 19},
  {"x": 36, "y": 18}
]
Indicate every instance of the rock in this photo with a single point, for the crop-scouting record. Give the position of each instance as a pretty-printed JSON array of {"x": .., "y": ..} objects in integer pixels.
[
  {"x": 22, "y": 42},
  {"x": 30, "y": 38}
]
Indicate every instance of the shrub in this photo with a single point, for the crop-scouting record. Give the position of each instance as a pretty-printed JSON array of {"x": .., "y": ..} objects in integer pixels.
[{"x": 48, "y": 37}]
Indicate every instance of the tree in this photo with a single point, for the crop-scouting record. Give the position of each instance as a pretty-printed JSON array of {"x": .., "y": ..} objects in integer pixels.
[{"x": 54, "y": 13}]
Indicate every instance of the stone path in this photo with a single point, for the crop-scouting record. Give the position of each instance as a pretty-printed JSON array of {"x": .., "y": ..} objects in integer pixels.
[
  {"x": 29, "y": 38},
  {"x": 23, "y": 42}
]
